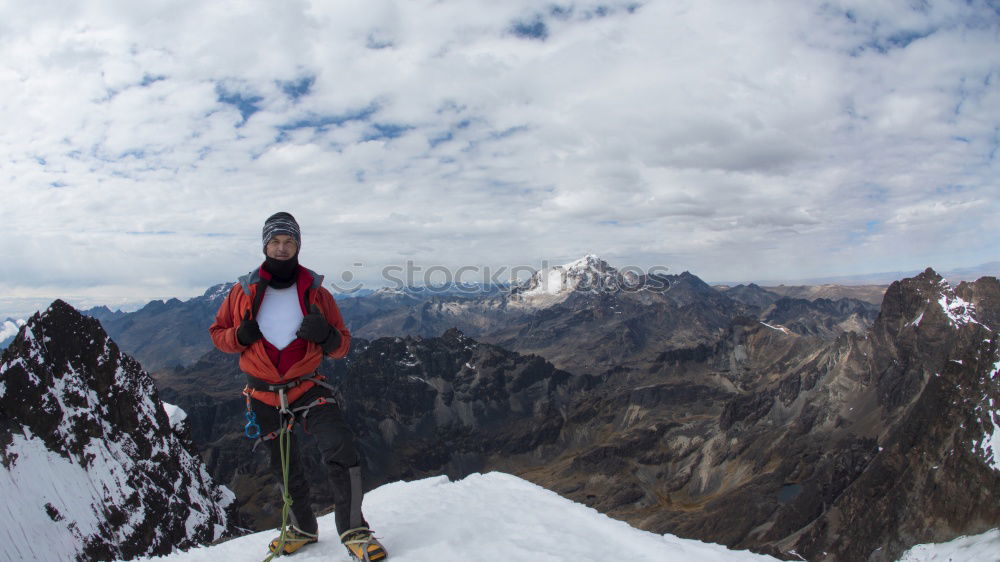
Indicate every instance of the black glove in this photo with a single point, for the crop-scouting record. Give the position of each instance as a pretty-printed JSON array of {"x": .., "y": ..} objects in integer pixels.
[
  {"x": 315, "y": 328},
  {"x": 249, "y": 331}
]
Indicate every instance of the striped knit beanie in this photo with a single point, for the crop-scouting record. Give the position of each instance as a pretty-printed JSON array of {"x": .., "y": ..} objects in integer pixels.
[{"x": 281, "y": 223}]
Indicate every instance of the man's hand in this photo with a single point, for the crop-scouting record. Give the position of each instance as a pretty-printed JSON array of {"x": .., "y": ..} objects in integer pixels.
[
  {"x": 249, "y": 331},
  {"x": 315, "y": 328}
]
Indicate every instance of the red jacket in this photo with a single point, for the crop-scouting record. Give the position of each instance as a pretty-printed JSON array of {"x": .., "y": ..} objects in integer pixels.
[{"x": 300, "y": 357}]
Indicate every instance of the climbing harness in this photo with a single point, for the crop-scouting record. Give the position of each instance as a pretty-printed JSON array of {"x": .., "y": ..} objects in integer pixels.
[{"x": 252, "y": 429}]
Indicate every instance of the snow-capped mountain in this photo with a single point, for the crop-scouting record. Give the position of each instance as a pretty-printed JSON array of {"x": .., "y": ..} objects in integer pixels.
[
  {"x": 90, "y": 468},
  {"x": 8, "y": 329},
  {"x": 552, "y": 285},
  {"x": 492, "y": 517}
]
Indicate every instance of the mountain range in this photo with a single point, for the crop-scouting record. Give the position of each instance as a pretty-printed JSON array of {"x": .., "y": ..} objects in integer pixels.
[
  {"x": 629, "y": 319},
  {"x": 824, "y": 428}
]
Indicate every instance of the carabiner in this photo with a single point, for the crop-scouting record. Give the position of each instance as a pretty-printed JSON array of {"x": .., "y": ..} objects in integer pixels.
[{"x": 251, "y": 429}]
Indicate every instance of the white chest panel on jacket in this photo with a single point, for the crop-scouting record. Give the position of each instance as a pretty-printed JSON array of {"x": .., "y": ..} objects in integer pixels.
[{"x": 280, "y": 316}]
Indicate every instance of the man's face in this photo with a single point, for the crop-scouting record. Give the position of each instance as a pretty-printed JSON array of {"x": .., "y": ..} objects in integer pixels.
[{"x": 281, "y": 247}]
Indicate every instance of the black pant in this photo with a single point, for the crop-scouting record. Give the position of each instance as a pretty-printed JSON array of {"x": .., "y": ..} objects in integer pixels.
[{"x": 339, "y": 454}]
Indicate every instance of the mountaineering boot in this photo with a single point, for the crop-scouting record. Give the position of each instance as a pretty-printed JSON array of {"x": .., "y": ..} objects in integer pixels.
[
  {"x": 295, "y": 539},
  {"x": 363, "y": 545}
]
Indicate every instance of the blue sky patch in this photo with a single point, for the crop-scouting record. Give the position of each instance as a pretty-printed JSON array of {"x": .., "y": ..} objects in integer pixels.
[
  {"x": 534, "y": 28},
  {"x": 136, "y": 153},
  {"x": 385, "y": 131},
  {"x": 296, "y": 89},
  {"x": 508, "y": 132},
  {"x": 245, "y": 103},
  {"x": 148, "y": 79},
  {"x": 899, "y": 40},
  {"x": 324, "y": 122},
  {"x": 561, "y": 12},
  {"x": 440, "y": 138}
]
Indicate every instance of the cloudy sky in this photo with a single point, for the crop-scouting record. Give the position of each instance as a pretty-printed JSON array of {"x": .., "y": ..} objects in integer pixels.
[{"x": 144, "y": 143}]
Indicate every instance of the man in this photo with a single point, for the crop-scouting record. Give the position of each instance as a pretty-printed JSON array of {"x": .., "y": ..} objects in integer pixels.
[{"x": 282, "y": 321}]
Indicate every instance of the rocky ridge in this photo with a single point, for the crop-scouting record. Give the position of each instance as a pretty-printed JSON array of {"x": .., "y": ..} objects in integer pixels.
[{"x": 88, "y": 455}]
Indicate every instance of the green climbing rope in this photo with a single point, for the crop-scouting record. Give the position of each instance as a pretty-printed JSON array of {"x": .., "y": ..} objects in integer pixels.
[{"x": 284, "y": 449}]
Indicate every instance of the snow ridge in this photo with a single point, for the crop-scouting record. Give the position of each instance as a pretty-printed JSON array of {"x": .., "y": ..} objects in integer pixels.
[{"x": 492, "y": 516}]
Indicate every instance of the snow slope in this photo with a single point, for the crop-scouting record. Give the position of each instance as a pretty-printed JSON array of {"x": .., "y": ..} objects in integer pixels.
[
  {"x": 981, "y": 548},
  {"x": 484, "y": 517}
]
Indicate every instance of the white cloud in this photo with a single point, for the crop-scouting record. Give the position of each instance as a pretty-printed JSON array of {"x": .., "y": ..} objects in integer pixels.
[{"x": 144, "y": 144}]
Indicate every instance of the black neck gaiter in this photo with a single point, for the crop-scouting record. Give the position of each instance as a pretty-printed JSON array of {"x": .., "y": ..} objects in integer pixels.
[{"x": 283, "y": 272}]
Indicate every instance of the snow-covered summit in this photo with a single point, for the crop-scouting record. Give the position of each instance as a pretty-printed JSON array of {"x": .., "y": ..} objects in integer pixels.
[
  {"x": 551, "y": 285},
  {"x": 589, "y": 271},
  {"x": 492, "y": 517},
  {"x": 217, "y": 292}
]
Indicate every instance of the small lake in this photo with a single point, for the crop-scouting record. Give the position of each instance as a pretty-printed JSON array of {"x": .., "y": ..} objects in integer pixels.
[{"x": 789, "y": 492}]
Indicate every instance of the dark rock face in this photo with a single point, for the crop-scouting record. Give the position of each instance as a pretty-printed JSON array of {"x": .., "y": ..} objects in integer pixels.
[
  {"x": 89, "y": 453},
  {"x": 849, "y": 450},
  {"x": 453, "y": 405},
  {"x": 934, "y": 375},
  {"x": 821, "y": 317}
]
